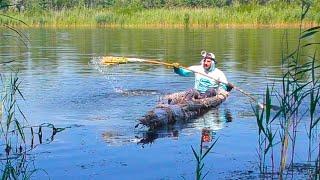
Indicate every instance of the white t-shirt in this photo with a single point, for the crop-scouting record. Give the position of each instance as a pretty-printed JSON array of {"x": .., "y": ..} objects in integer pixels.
[{"x": 203, "y": 83}]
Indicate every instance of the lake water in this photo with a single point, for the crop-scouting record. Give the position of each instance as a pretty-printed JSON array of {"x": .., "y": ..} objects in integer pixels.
[{"x": 100, "y": 140}]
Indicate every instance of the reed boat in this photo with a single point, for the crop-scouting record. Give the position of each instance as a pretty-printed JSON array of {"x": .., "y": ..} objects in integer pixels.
[{"x": 175, "y": 108}]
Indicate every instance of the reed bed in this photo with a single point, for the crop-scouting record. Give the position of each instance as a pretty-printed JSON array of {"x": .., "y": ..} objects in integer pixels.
[
  {"x": 278, "y": 131},
  {"x": 17, "y": 137},
  {"x": 271, "y": 15}
]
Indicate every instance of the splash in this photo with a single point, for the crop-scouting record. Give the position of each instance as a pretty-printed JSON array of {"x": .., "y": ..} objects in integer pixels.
[{"x": 110, "y": 73}]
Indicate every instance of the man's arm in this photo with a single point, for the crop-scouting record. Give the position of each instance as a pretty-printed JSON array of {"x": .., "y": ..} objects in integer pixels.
[{"x": 181, "y": 71}]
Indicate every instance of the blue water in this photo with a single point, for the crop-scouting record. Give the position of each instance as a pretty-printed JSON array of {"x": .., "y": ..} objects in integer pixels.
[{"x": 100, "y": 141}]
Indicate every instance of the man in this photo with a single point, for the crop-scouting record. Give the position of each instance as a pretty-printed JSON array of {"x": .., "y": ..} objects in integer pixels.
[{"x": 209, "y": 80}]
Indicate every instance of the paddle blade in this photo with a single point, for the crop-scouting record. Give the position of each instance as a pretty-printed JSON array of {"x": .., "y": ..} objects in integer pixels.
[{"x": 111, "y": 60}]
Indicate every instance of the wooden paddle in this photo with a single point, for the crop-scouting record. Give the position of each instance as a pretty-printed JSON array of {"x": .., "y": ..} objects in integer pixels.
[{"x": 110, "y": 60}]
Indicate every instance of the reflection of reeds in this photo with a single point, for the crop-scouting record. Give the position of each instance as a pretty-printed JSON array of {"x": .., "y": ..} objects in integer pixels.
[
  {"x": 298, "y": 68},
  {"x": 200, "y": 157}
]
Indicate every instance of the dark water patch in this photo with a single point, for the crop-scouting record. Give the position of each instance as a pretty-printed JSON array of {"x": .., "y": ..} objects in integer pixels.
[
  {"x": 138, "y": 92},
  {"x": 244, "y": 114},
  {"x": 244, "y": 175},
  {"x": 116, "y": 138},
  {"x": 295, "y": 171},
  {"x": 148, "y": 137}
]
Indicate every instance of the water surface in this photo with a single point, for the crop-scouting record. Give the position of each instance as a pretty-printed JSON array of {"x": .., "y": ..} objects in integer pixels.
[{"x": 61, "y": 88}]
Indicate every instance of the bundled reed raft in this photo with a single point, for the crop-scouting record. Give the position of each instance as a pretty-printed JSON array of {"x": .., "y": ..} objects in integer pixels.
[{"x": 175, "y": 108}]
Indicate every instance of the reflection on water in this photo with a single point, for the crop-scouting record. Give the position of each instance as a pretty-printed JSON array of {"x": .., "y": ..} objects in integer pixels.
[
  {"x": 210, "y": 123},
  {"x": 20, "y": 167},
  {"x": 18, "y": 161}
]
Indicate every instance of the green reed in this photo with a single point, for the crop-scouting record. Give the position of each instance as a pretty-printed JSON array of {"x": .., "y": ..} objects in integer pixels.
[
  {"x": 10, "y": 125},
  {"x": 200, "y": 157},
  {"x": 16, "y": 141},
  {"x": 19, "y": 168},
  {"x": 299, "y": 81},
  {"x": 272, "y": 14},
  {"x": 266, "y": 132},
  {"x": 12, "y": 132}
]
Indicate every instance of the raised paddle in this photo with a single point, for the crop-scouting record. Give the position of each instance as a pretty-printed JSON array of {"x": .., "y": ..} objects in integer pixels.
[{"x": 110, "y": 60}]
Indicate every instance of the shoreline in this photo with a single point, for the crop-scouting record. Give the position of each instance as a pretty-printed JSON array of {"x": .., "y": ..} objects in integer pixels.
[
  {"x": 169, "y": 26},
  {"x": 206, "y": 18}
]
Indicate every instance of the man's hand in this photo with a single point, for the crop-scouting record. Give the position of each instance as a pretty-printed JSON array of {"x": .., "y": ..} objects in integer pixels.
[
  {"x": 176, "y": 65},
  {"x": 223, "y": 93},
  {"x": 230, "y": 87}
]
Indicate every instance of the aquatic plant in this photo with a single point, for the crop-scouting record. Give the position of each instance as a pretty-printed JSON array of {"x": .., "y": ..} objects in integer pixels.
[
  {"x": 272, "y": 14},
  {"x": 14, "y": 137},
  {"x": 265, "y": 132},
  {"x": 201, "y": 155},
  {"x": 10, "y": 125},
  {"x": 16, "y": 162},
  {"x": 299, "y": 81},
  {"x": 8, "y": 22}
]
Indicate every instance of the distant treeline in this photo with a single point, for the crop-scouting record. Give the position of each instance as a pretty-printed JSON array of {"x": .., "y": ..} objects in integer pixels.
[{"x": 145, "y": 4}]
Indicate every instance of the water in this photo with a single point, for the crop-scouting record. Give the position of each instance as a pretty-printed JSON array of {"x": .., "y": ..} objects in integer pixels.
[{"x": 100, "y": 110}]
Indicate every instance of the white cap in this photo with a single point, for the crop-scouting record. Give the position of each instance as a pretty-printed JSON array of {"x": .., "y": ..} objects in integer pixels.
[
  {"x": 211, "y": 55},
  {"x": 204, "y": 54}
]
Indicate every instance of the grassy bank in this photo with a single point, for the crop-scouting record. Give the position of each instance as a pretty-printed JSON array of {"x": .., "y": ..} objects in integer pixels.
[{"x": 271, "y": 15}]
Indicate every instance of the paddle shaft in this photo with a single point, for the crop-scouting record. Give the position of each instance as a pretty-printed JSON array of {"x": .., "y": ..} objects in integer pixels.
[
  {"x": 206, "y": 75},
  {"x": 235, "y": 87}
]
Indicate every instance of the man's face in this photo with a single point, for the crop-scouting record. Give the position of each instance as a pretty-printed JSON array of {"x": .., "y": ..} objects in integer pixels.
[{"x": 207, "y": 64}]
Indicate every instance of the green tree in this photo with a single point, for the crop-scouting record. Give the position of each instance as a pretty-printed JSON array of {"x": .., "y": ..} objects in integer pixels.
[{"x": 4, "y": 4}]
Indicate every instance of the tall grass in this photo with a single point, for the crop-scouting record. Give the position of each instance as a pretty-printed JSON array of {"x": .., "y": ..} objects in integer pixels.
[
  {"x": 266, "y": 133},
  {"x": 10, "y": 125},
  {"x": 15, "y": 139},
  {"x": 299, "y": 85},
  {"x": 252, "y": 15}
]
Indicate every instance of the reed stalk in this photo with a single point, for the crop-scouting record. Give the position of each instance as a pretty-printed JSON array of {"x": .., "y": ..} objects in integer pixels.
[
  {"x": 298, "y": 82},
  {"x": 16, "y": 164},
  {"x": 10, "y": 124},
  {"x": 273, "y": 14},
  {"x": 13, "y": 123},
  {"x": 200, "y": 157}
]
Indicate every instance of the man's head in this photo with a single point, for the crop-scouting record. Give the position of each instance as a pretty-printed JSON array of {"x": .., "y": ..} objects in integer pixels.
[{"x": 208, "y": 61}]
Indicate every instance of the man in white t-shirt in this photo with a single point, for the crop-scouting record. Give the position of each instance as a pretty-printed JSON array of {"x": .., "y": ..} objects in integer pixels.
[{"x": 204, "y": 86}]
